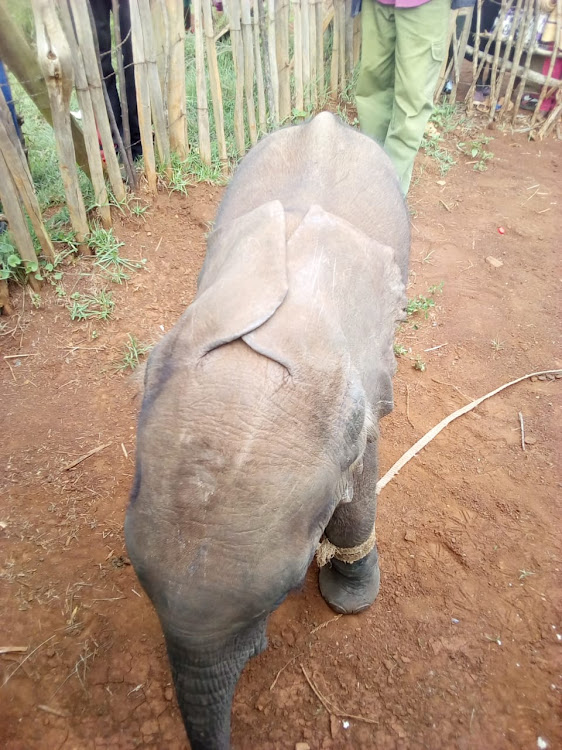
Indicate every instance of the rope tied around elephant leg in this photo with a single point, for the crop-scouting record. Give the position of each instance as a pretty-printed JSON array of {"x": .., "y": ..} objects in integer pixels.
[{"x": 327, "y": 551}]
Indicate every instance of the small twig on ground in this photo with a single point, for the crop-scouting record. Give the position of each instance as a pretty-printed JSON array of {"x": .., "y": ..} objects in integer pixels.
[
  {"x": 334, "y": 710},
  {"x": 85, "y": 456},
  {"x": 324, "y": 624},
  {"x": 408, "y": 405},
  {"x": 13, "y": 649},
  {"x": 22, "y": 662},
  {"x": 434, "y": 348},
  {"x": 54, "y": 711},
  {"x": 12, "y": 371},
  {"x": 17, "y": 356},
  {"x": 522, "y": 424},
  {"x": 274, "y": 683},
  {"x": 445, "y": 205}
]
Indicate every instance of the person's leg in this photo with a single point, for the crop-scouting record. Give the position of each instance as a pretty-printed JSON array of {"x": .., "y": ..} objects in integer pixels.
[
  {"x": 421, "y": 36},
  {"x": 101, "y": 10},
  {"x": 375, "y": 85},
  {"x": 125, "y": 27}
]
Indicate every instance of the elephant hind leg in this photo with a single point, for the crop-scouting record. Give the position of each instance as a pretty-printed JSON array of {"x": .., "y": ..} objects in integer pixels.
[{"x": 351, "y": 587}]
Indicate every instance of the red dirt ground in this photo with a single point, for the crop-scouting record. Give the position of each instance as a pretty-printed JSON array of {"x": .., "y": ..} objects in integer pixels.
[{"x": 462, "y": 647}]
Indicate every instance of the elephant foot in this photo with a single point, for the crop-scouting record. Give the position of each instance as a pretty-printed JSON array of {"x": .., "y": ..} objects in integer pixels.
[{"x": 349, "y": 588}]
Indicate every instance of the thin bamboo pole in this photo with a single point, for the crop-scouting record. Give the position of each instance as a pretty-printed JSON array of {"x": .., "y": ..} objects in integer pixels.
[
  {"x": 202, "y": 104},
  {"x": 447, "y": 62},
  {"x": 11, "y": 149},
  {"x": 88, "y": 117},
  {"x": 356, "y": 39},
  {"x": 528, "y": 57},
  {"x": 312, "y": 45},
  {"x": 249, "y": 69},
  {"x": 121, "y": 80},
  {"x": 505, "y": 6},
  {"x": 260, "y": 85},
  {"x": 156, "y": 100},
  {"x": 341, "y": 64},
  {"x": 319, "y": 17},
  {"x": 267, "y": 72},
  {"x": 56, "y": 63},
  {"x": 472, "y": 88},
  {"x": 348, "y": 42},
  {"x": 506, "y": 52},
  {"x": 84, "y": 35},
  {"x": 297, "y": 55},
  {"x": 283, "y": 61},
  {"x": 161, "y": 36},
  {"x": 553, "y": 118},
  {"x": 305, "y": 52},
  {"x": 214, "y": 78},
  {"x": 465, "y": 13},
  {"x": 143, "y": 96},
  {"x": 272, "y": 44},
  {"x": 553, "y": 57},
  {"x": 177, "y": 110},
  {"x": 22, "y": 61},
  {"x": 336, "y": 40},
  {"x": 16, "y": 219},
  {"x": 526, "y": 18},
  {"x": 238, "y": 57}
]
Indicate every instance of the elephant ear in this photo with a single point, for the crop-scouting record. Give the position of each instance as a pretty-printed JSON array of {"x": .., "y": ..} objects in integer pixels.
[{"x": 243, "y": 281}]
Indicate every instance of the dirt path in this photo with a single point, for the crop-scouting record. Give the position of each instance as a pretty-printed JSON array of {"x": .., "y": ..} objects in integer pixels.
[{"x": 462, "y": 648}]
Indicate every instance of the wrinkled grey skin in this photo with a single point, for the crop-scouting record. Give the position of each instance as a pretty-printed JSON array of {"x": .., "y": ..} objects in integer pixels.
[{"x": 258, "y": 427}]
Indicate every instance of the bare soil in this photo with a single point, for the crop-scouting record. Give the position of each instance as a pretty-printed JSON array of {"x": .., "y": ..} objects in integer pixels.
[{"x": 462, "y": 647}]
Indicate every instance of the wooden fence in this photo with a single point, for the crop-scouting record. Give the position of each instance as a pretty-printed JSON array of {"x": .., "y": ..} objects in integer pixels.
[{"x": 288, "y": 56}]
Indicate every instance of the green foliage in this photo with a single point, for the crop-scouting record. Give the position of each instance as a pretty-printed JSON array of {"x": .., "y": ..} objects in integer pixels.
[
  {"x": 422, "y": 302},
  {"x": 91, "y": 306},
  {"x": 475, "y": 150},
  {"x": 134, "y": 349},
  {"x": 433, "y": 147},
  {"x": 400, "y": 350},
  {"x": 106, "y": 247},
  {"x": 12, "y": 267}
]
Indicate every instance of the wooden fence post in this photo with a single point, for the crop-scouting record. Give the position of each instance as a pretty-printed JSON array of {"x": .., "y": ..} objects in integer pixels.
[
  {"x": 16, "y": 219},
  {"x": 202, "y": 105},
  {"x": 121, "y": 78},
  {"x": 319, "y": 13},
  {"x": 156, "y": 100},
  {"x": 214, "y": 79},
  {"x": 312, "y": 53},
  {"x": 267, "y": 26},
  {"x": 143, "y": 96},
  {"x": 249, "y": 69},
  {"x": 88, "y": 117},
  {"x": 283, "y": 61},
  {"x": 84, "y": 35},
  {"x": 177, "y": 117},
  {"x": 14, "y": 157},
  {"x": 238, "y": 58},
  {"x": 55, "y": 61},
  {"x": 336, "y": 42},
  {"x": 298, "y": 55},
  {"x": 260, "y": 86},
  {"x": 22, "y": 61}
]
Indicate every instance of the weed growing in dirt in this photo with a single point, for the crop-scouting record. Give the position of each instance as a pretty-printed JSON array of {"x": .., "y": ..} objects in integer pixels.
[
  {"x": 525, "y": 574},
  {"x": 476, "y": 151},
  {"x": 91, "y": 306},
  {"x": 134, "y": 350},
  {"x": 497, "y": 345},
  {"x": 433, "y": 147},
  {"x": 445, "y": 117},
  {"x": 106, "y": 246},
  {"x": 422, "y": 302},
  {"x": 419, "y": 364},
  {"x": 400, "y": 350}
]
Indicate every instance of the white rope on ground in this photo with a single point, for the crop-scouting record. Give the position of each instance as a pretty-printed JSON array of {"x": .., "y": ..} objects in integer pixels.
[
  {"x": 428, "y": 437},
  {"x": 327, "y": 551}
]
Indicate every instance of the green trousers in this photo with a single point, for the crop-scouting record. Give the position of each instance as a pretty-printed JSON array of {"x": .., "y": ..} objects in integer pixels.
[{"x": 402, "y": 52}]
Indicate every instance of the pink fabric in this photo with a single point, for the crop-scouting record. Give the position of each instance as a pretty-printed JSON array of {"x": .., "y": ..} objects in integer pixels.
[
  {"x": 403, "y": 3},
  {"x": 549, "y": 103}
]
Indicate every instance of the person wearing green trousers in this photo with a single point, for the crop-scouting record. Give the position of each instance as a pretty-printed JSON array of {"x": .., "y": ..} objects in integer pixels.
[{"x": 403, "y": 48}]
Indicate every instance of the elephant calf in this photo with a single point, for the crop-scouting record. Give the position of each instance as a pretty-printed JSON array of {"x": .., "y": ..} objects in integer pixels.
[{"x": 257, "y": 435}]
